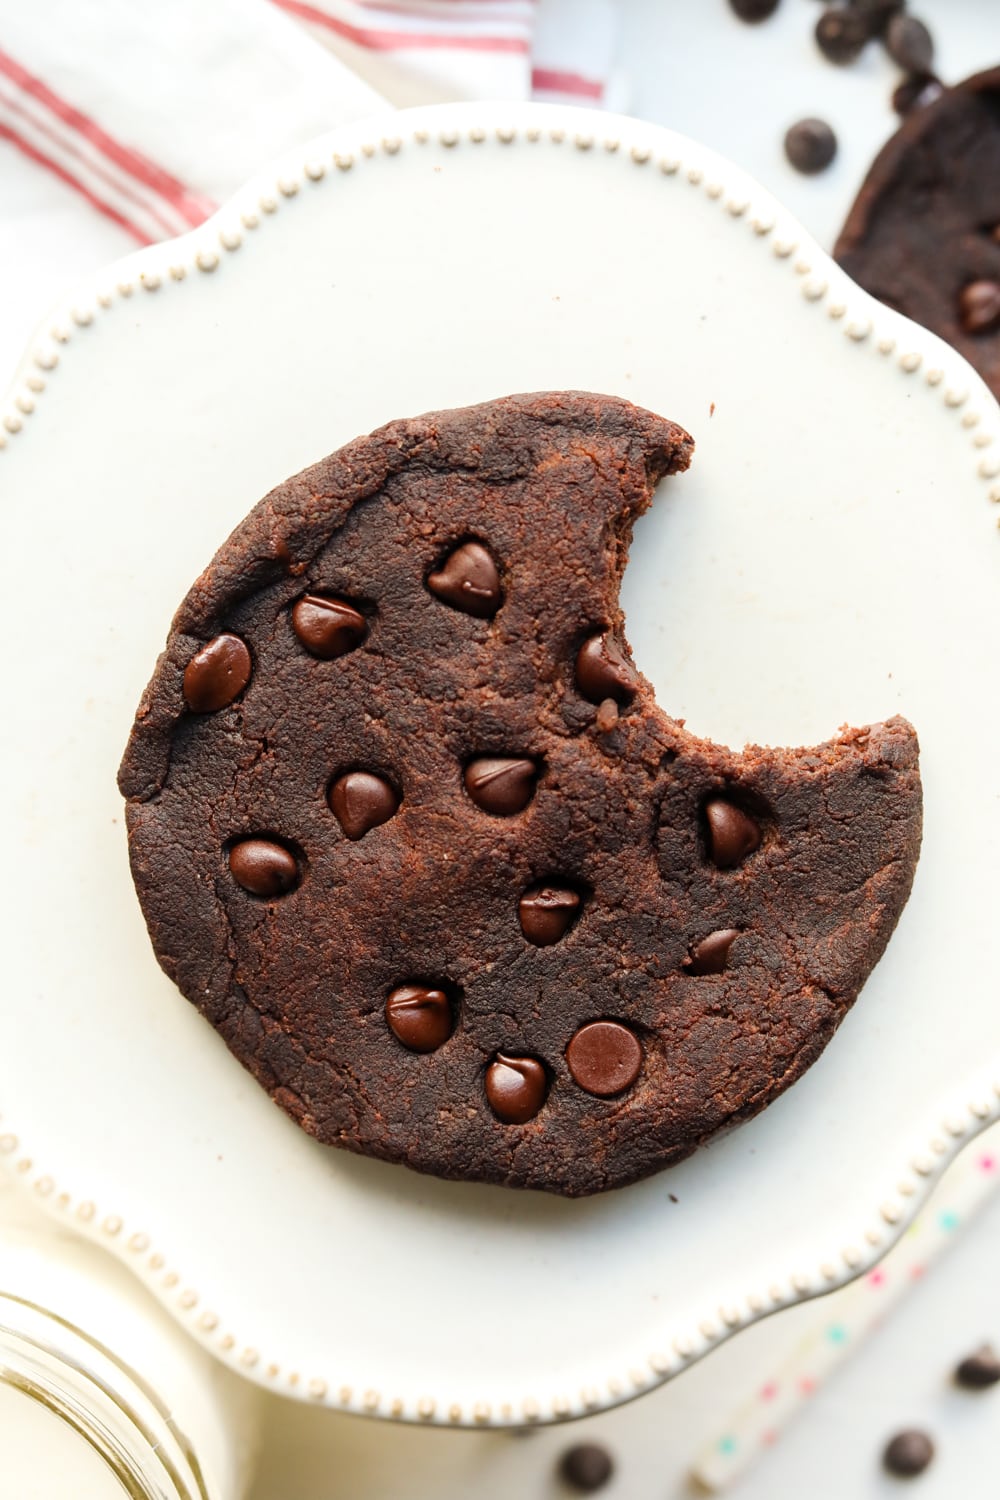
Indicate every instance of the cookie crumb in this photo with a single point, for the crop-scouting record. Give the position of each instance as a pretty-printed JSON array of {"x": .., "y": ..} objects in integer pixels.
[{"x": 607, "y": 716}]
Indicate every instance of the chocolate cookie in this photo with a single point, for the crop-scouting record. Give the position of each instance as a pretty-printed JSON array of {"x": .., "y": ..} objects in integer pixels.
[
  {"x": 924, "y": 232},
  {"x": 409, "y": 829}
]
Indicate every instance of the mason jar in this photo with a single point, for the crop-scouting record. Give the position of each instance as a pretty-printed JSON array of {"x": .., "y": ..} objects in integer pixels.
[{"x": 102, "y": 1395}]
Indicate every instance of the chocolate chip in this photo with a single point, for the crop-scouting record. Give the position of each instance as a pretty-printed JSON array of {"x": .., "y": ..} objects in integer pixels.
[
  {"x": 980, "y": 1370},
  {"x": 841, "y": 35},
  {"x": 711, "y": 955},
  {"x": 217, "y": 674},
  {"x": 328, "y": 627},
  {"x": 604, "y": 1058},
  {"x": 916, "y": 92},
  {"x": 515, "y": 1087},
  {"x": 810, "y": 145},
  {"x": 753, "y": 10},
  {"x": 500, "y": 785},
  {"x": 468, "y": 580},
  {"x": 604, "y": 671},
  {"x": 263, "y": 867},
  {"x": 419, "y": 1017},
  {"x": 547, "y": 913},
  {"x": 732, "y": 835},
  {"x": 361, "y": 801},
  {"x": 910, "y": 44},
  {"x": 908, "y": 1453},
  {"x": 877, "y": 13},
  {"x": 586, "y": 1467},
  {"x": 979, "y": 306}
]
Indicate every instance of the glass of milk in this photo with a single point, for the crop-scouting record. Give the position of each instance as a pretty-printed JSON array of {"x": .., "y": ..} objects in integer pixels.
[{"x": 102, "y": 1395}]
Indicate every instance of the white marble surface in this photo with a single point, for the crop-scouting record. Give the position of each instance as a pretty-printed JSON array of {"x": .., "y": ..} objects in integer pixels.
[{"x": 688, "y": 66}]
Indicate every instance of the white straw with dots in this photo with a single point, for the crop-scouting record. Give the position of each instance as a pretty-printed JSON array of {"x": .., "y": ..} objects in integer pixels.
[{"x": 845, "y": 1318}]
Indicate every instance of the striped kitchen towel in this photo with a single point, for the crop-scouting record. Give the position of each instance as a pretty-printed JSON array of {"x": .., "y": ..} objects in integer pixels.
[
  {"x": 413, "y": 51},
  {"x": 150, "y": 115}
]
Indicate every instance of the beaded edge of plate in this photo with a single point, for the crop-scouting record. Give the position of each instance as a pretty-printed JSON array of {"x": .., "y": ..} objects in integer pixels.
[
  {"x": 224, "y": 234},
  {"x": 953, "y": 1131}
]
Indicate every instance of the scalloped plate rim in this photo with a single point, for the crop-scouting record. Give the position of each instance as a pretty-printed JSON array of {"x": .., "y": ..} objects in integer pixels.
[{"x": 954, "y": 1121}]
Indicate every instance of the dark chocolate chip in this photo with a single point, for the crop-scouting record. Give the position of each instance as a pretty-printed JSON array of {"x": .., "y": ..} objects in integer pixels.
[
  {"x": 711, "y": 955},
  {"x": 841, "y": 35},
  {"x": 604, "y": 671},
  {"x": 753, "y": 10},
  {"x": 908, "y": 1453},
  {"x": 547, "y": 913},
  {"x": 877, "y": 13},
  {"x": 468, "y": 580},
  {"x": 979, "y": 306},
  {"x": 732, "y": 835},
  {"x": 419, "y": 1017},
  {"x": 810, "y": 145},
  {"x": 586, "y": 1467},
  {"x": 980, "y": 1370},
  {"x": 361, "y": 801},
  {"x": 916, "y": 92},
  {"x": 328, "y": 627},
  {"x": 263, "y": 867},
  {"x": 500, "y": 785},
  {"x": 217, "y": 674},
  {"x": 604, "y": 1058},
  {"x": 515, "y": 1088},
  {"x": 910, "y": 44}
]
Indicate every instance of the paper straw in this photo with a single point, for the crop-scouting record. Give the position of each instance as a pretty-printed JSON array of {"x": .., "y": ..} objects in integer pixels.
[{"x": 845, "y": 1318}]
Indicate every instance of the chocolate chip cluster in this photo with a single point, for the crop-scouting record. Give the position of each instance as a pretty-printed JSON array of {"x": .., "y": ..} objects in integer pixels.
[
  {"x": 604, "y": 1057},
  {"x": 842, "y": 33}
]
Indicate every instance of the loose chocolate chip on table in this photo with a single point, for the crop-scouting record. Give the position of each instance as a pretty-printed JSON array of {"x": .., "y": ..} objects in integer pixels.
[
  {"x": 468, "y": 580},
  {"x": 500, "y": 785},
  {"x": 732, "y": 835},
  {"x": 263, "y": 867},
  {"x": 979, "y": 306},
  {"x": 547, "y": 912},
  {"x": 841, "y": 35},
  {"x": 810, "y": 145},
  {"x": 908, "y": 1453},
  {"x": 711, "y": 955},
  {"x": 361, "y": 801},
  {"x": 604, "y": 1058},
  {"x": 217, "y": 674},
  {"x": 916, "y": 92},
  {"x": 877, "y": 13},
  {"x": 753, "y": 10},
  {"x": 979, "y": 1370},
  {"x": 586, "y": 1467},
  {"x": 909, "y": 43},
  {"x": 603, "y": 670},
  {"x": 328, "y": 627},
  {"x": 515, "y": 1087},
  {"x": 420, "y": 1017}
]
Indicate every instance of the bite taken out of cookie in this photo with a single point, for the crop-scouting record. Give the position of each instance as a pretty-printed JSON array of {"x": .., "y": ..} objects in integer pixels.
[{"x": 409, "y": 829}]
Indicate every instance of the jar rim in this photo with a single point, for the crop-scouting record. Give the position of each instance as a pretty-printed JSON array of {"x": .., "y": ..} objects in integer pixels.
[{"x": 101, "y": 1398}]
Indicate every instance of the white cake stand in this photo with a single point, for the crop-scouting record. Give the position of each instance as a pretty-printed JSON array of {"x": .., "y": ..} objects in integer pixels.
[{"x": 834, "y": 557}]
